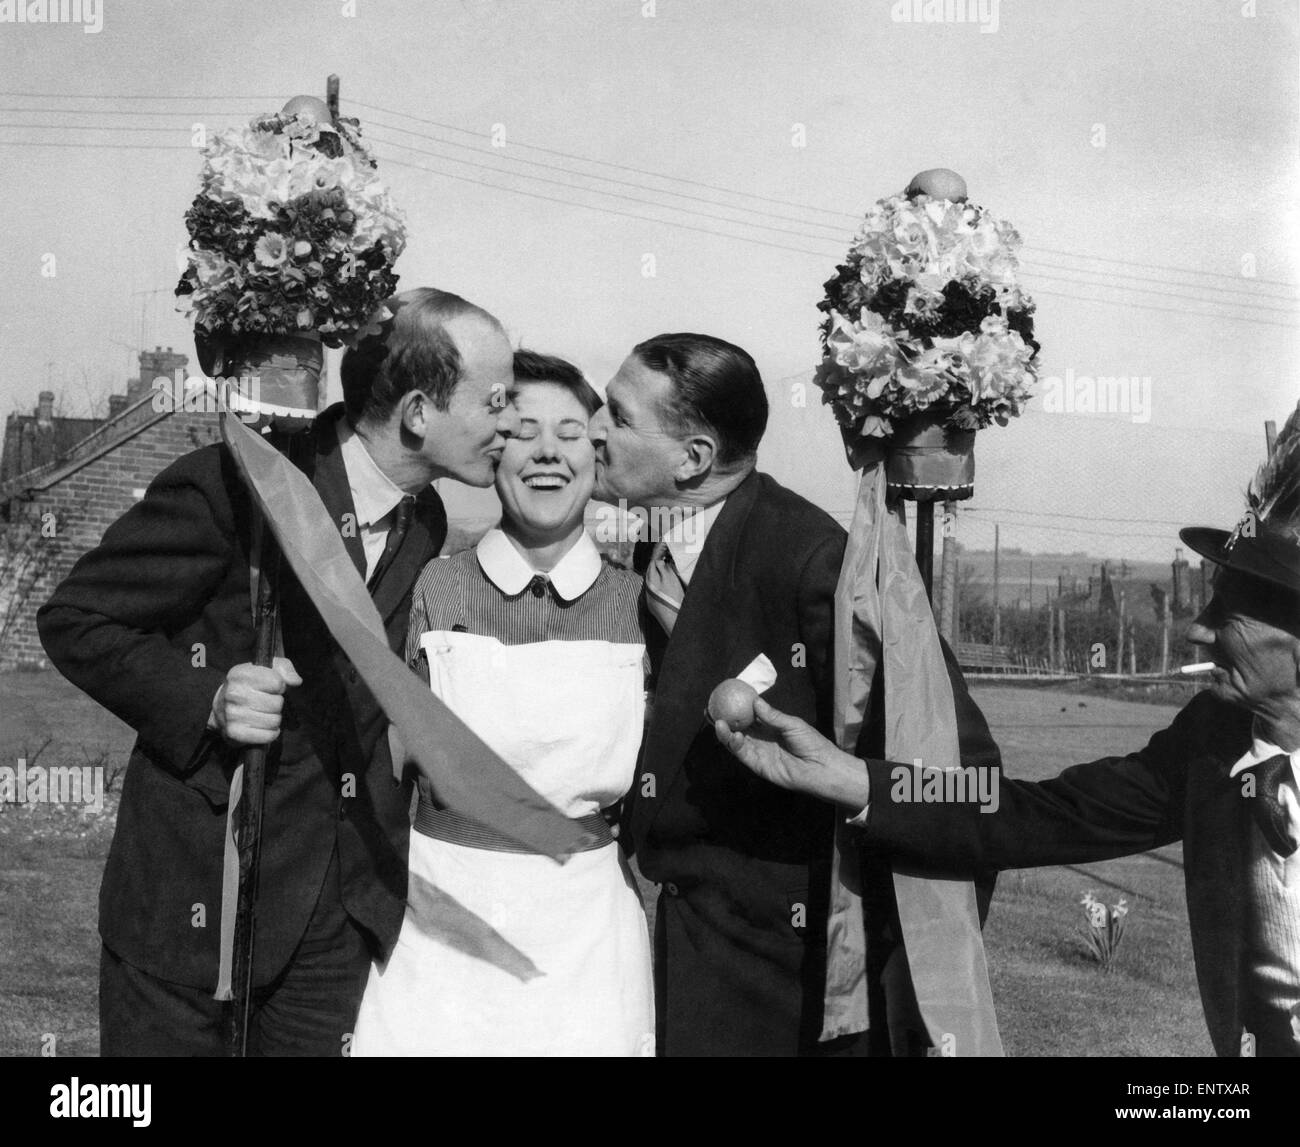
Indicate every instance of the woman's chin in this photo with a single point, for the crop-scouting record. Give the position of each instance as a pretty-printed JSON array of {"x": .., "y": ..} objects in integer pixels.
[{"x": 544, "y": 527}]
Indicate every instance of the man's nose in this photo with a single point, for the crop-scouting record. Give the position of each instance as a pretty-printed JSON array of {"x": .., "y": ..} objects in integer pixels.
[
  {"x": 1202, "y": 631},
  {"x": 508, "y": 421},
  {"x": 596, "y": 427}
]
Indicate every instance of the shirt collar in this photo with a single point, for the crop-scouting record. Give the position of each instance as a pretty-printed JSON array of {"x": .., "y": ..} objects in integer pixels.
[
  {"x": 1261, "y": 750},
  {"x": 510, "y": 571},
  {"x": 374, "y": 494},
  {"x": 687, "y": 535}
]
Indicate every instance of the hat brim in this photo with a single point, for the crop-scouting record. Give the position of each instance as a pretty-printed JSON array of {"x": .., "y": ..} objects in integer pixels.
[
  {"x": 1208, "y": 543},
  {"x": 1264, "y": 557}
]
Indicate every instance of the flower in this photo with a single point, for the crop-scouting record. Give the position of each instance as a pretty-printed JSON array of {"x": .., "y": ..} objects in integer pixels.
[
  {"x": 271, "y": 250},
  {"x": 865, "y": 347}
]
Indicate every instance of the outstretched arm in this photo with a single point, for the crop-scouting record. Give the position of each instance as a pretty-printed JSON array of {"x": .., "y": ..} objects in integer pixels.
[{"x": 1111, "y": 807}]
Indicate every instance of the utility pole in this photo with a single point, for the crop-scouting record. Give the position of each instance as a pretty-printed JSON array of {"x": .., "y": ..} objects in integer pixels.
[
  {"x": 1165, "y": 614},
  {"x": 997, "y": 592},
  {"x": 1119, "y": 655},
  {"x": 1060, "y": 639},
  {"x": 1051, "y": 634}
]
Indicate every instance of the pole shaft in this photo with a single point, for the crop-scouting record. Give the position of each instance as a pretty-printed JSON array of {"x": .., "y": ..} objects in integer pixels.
[
  {"x": 248, "y": 838},
  {"x": 948, "y": 575},
  {"x": 925, "y": 545},
  {"x": 332, "y": 96}
]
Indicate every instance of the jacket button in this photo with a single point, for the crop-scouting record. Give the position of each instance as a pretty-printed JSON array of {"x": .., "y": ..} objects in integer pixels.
[
  {"x": 352, "y": 676},
  {"x": 672, "y": 889}
]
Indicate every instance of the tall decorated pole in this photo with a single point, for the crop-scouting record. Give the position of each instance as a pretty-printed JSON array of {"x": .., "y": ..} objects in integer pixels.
[
  {"x": 273, "y": 358},
  {"x": 927, "y": 338},
  {"x": 292, "y": 244}
]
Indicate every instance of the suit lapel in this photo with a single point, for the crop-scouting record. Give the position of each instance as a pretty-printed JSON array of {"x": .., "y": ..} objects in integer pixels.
[
  {"x": 1215, "y": 859},
  {"x": 699, "y": 654},
  {"x": 331, "y": 480}
]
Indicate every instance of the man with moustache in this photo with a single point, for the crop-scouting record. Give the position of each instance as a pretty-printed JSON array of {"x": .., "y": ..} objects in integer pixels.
[
  {"x": 155, "y": 624},
  {"x": 1222, "y": 779},
  {"x": 746, "y": 573}
]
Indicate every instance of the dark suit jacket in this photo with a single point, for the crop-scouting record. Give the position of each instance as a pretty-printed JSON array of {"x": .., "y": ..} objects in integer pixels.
[
  {"x": 745, "y": 865},
  {"x": 148, "y": 623},
  {"x": 1176, "y": 788}
]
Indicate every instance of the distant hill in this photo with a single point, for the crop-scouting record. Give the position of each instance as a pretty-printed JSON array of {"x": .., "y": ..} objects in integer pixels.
[{"x": 1050, "y": 574}]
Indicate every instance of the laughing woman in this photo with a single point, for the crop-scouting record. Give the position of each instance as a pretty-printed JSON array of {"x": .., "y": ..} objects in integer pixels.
[{"x": 534, "y": 642}]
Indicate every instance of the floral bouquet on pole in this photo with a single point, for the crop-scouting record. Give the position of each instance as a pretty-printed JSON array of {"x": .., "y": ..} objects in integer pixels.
[
  {"x": 293, "y": 238},
  {"x": 928, "y": 336}
]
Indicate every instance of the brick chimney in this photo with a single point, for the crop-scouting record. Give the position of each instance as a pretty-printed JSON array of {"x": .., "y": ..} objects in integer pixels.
[
  {"x": 45, "y": 408},
  {"x": 116, "y": 404},
  {"x": 155, "y": 363}
]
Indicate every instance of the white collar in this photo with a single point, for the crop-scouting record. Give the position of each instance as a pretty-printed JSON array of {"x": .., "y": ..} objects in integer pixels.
[
  {"x": 687, "y": 535},
  {"x": 374, "y": 494},
  {"x": 1261, "y": 750},
  {"x": 510, "y": 571}
]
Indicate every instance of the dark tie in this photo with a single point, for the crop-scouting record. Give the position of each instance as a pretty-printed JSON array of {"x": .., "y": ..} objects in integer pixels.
[
  {"x": 1269, "y": 812},
  {"x": 664, "y": 588},
  {"x": 396, "y": 532}
]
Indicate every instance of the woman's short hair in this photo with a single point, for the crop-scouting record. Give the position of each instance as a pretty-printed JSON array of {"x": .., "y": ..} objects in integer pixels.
[
  {"x": 411, "y": 351},
  {"x": 716, "y": 388},
  {"x": 532, "y": 366}
]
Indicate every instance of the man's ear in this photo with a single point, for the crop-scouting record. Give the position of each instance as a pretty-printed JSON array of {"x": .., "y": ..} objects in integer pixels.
[
  {"x": 701, "y": 454},
  {"x": 413, "y": 411}
]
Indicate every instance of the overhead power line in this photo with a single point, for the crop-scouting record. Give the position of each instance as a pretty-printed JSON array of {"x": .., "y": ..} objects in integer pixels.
[
  {"x": 1247, "y": 301},
  {"x": 478, "y": 135}
]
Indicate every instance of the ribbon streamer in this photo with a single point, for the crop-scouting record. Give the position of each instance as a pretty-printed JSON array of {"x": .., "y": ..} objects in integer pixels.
[
  {"x": 466, "y": 775},
  {"x": 884, "y": 623}
]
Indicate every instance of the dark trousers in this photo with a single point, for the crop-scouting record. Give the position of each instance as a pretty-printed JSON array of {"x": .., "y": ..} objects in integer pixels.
[
  {"x": 715, "y": 1000},
  {"x": 308, "y": 1010}
]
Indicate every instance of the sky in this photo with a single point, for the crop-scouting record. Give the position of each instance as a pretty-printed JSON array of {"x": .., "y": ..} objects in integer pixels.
[{"x": 595, "y": 172}]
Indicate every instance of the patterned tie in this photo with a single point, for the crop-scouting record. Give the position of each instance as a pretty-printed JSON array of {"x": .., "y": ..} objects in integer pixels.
[
  {"x": 396, "y": 532},
  {"x": 664, "y": 588},
  {"x": 1270, "y": 814}
]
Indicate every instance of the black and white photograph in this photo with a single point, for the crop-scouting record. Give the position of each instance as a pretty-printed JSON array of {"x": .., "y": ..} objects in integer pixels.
[{"x": 651, "y": 528}]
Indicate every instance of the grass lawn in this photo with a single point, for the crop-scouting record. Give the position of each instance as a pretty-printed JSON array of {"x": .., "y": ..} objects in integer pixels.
[{"x": 1052, "y": 998}]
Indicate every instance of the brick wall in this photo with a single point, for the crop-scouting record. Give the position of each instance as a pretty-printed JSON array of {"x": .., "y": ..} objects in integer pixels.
[{"x": 120, "y": 459}]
